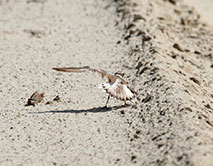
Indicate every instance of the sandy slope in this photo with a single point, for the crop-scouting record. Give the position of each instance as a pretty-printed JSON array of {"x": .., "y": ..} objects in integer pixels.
[
  {"x": 171, "y": 51},
  {"x": 166, "y": 53}
]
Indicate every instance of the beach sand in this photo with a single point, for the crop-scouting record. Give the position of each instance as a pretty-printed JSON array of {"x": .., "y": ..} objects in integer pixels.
[
  {"x": 204, "y": 8},
  {"x": 165, "y": 50}
]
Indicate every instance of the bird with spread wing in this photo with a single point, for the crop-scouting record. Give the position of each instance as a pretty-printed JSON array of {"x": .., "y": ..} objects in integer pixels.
[{"x": 115, "y": 85}]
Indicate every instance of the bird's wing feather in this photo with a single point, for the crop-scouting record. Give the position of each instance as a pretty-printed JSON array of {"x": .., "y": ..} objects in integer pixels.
[
  {"x": 132, "y": 90},
  {"x": 126, "y": 83},
  {"x": 81, "y": 69},
  {"x": 118, "y": 90},
  {"x": 72, "y": 69}
]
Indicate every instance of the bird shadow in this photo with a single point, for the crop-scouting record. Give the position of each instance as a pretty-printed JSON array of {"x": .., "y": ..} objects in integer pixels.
[{"x": 92, "y": 110}]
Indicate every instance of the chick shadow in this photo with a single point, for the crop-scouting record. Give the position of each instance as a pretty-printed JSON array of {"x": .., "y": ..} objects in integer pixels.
[{"x": 92, "y": 110}]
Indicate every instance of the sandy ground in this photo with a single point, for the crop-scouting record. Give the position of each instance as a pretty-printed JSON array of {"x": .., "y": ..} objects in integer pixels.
[
  {"x": 165, "y": 50},
  {"x": 204, "y": 8},
  {"x": 75, "y": 131}
]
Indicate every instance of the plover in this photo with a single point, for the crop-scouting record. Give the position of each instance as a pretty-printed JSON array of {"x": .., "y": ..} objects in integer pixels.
[
  {"x": 115, "y": 85},
  {"x": 35, "y": 98}
]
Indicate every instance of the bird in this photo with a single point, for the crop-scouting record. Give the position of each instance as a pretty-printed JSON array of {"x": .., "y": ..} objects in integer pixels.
[
  {"x": 115, "y": 86},
  {"x": 35, "y": 98}
]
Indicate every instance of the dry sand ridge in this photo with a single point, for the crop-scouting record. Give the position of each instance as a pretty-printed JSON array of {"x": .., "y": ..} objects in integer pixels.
[{"x": 163, "y": 47}]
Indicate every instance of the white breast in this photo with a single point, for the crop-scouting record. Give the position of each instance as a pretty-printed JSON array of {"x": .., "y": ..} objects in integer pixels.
[{"x": 118, "y": 90}]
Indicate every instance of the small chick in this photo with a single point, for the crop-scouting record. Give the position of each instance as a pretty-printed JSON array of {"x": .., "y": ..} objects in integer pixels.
[{"x": 35, "y": 98}]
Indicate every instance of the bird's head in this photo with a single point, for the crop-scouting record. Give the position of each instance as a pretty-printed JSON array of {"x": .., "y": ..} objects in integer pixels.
[{"x": 119, "y": 74}]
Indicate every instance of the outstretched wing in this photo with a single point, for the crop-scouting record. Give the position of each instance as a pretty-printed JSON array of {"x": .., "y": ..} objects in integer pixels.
[
  {"x": 81, "y": 69},
  {"x": 72, "y": 69},
  {"x": 119, "y": 91}
]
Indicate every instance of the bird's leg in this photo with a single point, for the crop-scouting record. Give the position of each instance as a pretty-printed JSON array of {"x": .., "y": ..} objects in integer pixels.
[{"x": 107, "y": 101}]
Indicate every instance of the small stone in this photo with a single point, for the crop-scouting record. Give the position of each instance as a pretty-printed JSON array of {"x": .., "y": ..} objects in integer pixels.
[
  {"x": 178, "y": 47},
  {"x": 57, "y": 98},
  {"x": 122, "y": 112},
  {"x": 162, "y": 112},
  {"x": 48, "y": 103},
  {"x": 133, "y": 157}
]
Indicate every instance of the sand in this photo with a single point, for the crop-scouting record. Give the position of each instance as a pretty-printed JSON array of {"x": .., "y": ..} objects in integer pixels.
[
  {"x": 165, "y": 50},
  {"x": 204, "y": 8}
]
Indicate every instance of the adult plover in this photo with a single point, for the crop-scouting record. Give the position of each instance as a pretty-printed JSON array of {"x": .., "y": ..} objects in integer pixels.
[{"x": 115, "y": 85}]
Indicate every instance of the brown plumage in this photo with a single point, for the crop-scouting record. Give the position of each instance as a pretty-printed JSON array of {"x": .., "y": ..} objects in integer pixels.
[
  {"x": 115, "y": 85},
  {"x": 35, "y": 98}
]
